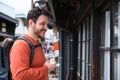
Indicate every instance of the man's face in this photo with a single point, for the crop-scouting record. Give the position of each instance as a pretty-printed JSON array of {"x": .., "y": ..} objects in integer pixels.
[{"x": 40, "y": 26}]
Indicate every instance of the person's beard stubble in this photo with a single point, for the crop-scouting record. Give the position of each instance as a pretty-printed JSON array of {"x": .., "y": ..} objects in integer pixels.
[{"x": 37, "y": 32}]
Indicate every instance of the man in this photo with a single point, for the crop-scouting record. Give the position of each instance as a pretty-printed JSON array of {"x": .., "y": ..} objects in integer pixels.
[{"x": 37, "y": 20}]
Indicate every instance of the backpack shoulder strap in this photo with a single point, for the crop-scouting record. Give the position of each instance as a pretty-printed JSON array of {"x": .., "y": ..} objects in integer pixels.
[
  {"x": 31, "y": 46},
  {"x": 6, "y": 46},
  {"x": 0, "y": 56}
]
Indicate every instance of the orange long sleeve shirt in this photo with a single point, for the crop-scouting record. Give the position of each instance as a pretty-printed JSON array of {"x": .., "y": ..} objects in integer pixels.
[{"x": 20, "y": 63}]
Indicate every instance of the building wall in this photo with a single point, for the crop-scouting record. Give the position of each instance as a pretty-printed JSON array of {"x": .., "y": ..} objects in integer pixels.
[
  {"x": 7, "y": 20},
  {"x": 21, "y": 28},
  {"x": 98, "y": 50},
  {"x": 7, "y": 10}
]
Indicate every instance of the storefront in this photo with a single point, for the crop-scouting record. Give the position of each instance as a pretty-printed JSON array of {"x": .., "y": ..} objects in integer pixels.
[
  {"x": 91, "y": 27},
  {"x": 89, "y": 40},
  {"x": 7, "y": 25}
]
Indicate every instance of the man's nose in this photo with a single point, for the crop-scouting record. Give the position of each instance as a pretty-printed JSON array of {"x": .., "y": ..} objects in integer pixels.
[{"x": 46, "y": 27}]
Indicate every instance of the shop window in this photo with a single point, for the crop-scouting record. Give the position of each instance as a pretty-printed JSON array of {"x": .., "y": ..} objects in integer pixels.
[
  {"x": 83, "y": 52},
  {"x": 84, "y": 60},
  {"x": 110, "y": 49},
  {"x": 79, "y": 52},
  {"x": 105, "y": 45},
  {"x": 116, "y": 42},
  {"x": 3, "y": 27}
]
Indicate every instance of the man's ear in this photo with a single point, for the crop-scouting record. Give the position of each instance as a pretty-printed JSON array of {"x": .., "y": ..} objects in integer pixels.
[{"x": 31, "y": 22}]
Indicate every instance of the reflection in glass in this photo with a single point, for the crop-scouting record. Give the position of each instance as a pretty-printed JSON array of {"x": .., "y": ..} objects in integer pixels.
[
  {"x": 116, "y": 44},
  {"x": 119, "y": 24},
  {"x": 116, "y": 66},
  {"x": 106, "y": 44},
  {"x": 116, "y": 38},
  {"x": 79, "y": 49},
  {"x": 106, "y": 29},
  {"x": 106, "y": 66},
  {"x": 83, "y": 53}
]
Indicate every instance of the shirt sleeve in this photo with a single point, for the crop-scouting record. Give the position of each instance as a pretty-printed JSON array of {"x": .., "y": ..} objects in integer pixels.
[{"x": 20, "y": 64}]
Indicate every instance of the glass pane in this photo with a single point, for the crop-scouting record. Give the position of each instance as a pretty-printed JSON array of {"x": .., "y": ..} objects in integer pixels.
[
  {"x": 116, "y": 66},
  {"x": 83, "y": 53},
  {"x": 119, "y": 24},
  {"x": 106, "y": 65},
  {"x": 103, "y": 30},
  {"x": 83, "y": 71},
  {"x": 79, "y": 49},
  {"x": 106, "y": 29},
  {"x": 87, "y": 65},
  {"x": 83, "y": 61},
  {"x": 106, "y": 43},
  {"x": 116, "y": 38}
]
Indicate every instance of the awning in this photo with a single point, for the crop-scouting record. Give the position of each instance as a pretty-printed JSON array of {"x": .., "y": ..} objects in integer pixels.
[{"x": 6, "y": 17}]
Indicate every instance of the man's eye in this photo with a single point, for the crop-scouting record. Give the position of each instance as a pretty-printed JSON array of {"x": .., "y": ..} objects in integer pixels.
[{"x": 42, "y": 23}]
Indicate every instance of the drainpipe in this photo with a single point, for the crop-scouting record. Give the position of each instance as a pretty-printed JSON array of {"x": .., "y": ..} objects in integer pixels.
[
  {"x": 70, "y": 75},
  {"x": 60, "y": 55}
]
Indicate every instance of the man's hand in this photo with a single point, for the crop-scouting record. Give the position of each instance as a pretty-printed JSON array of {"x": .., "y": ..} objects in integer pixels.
[{"x": 51, "y": 65}]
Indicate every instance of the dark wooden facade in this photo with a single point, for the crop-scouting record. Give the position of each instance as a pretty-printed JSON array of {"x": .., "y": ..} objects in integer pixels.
[
  {"x": 89, "y": 39},
  {"x": 7, "y": 26}
]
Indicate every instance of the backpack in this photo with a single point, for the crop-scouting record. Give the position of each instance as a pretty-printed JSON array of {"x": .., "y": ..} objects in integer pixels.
[{"x": 5, "y": 73}]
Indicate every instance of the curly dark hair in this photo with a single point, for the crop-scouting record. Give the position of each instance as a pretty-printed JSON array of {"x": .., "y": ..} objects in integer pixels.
[{"x": 36, "y": 12}]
